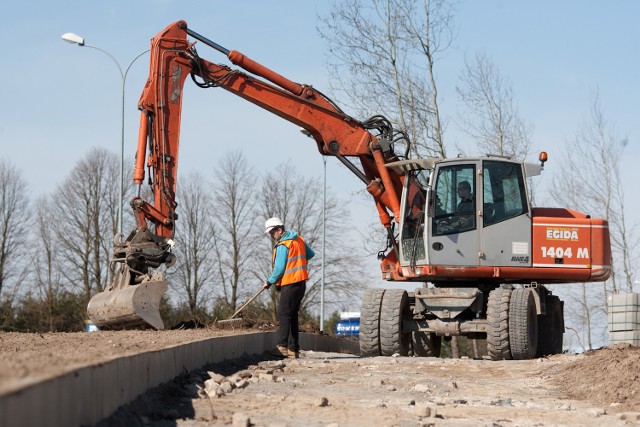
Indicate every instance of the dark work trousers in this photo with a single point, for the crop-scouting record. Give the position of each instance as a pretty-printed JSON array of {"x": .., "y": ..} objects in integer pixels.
[{"x": 290, "y": 300}]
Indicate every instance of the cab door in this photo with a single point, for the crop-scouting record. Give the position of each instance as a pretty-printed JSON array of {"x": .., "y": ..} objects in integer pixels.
[
  {"x": 453, "y": 226},
  {"x": 506, "y": 221}
]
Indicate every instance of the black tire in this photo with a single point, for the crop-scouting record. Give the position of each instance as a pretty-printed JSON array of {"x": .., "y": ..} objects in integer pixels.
[
  {"x": 558, "y": 325},
  {"x": 551, "y": 328},
  {"x": 498, "y": 324},
  {"x": 370, "y": 322},
  {"x": 523, "y": 325},
  {"x": 395, "y": 307},
  {"x": 426, "y": 344}
]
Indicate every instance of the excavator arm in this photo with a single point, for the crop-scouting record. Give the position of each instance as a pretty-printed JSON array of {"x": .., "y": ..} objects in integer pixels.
[{"x": 173, "y": 59}]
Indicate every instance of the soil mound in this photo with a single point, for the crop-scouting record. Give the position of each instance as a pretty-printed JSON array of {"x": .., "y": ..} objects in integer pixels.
[{"x": 609, "y": 376}]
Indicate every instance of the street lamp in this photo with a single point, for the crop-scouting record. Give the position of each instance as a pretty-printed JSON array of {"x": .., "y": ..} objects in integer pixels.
[
  {"x": 76, "y": 39},
  {"x": 324, "y": 232},
  {"x": 324, "y": 239}
]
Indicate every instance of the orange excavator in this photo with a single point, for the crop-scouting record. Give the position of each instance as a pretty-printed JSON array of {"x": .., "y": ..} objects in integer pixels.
[{"x": 463, "y": 229}]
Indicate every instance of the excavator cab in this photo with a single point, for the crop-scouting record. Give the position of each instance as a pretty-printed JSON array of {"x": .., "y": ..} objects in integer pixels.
[
  {"x": 455, "y": 209},
  {"x": 485, "y": 215}
]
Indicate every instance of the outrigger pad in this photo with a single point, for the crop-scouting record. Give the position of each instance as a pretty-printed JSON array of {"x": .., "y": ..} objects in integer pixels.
[{"x": 133, "y": 307}]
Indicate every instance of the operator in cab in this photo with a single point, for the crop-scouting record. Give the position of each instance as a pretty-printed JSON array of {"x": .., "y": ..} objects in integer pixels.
[
  {"x": 466, "y": 199},
  {"x": 289, "y": 273}
]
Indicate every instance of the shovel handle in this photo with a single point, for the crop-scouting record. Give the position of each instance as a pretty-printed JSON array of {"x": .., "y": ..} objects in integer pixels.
[{"x": 247, "y": 303}]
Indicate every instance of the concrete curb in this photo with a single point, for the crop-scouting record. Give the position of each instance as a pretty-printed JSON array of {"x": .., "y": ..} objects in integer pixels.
[{"x": 90, "y": 394}]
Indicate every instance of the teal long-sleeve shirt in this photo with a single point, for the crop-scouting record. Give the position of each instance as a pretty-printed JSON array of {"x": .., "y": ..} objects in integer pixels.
[{"x": 282, "y": 253}]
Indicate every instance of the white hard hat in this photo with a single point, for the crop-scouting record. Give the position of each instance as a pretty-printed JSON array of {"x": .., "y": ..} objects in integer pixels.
[{"x": 272, "y": 223}]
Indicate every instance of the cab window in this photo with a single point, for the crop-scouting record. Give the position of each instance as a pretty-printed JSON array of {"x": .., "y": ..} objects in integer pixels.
[
  {"x": 455, "y": 204},
  {"x": 504, "y": 192}
]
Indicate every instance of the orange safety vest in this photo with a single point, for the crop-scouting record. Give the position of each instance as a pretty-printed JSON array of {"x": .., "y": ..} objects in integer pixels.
[{"x": 295, "y": 269}]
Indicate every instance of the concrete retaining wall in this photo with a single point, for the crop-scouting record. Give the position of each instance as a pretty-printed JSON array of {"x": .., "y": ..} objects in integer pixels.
[{"x": 90, "y": 394}]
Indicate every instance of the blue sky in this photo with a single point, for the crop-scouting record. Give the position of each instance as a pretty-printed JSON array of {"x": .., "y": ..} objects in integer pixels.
[{"x": 60, "y": 100}]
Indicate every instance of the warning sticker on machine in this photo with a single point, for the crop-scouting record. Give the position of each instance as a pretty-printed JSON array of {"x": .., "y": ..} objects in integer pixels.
[{"x": 520, "y": 248}]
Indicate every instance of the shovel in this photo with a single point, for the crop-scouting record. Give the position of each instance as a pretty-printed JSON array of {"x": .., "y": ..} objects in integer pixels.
[{"x": 231, "y": 322}]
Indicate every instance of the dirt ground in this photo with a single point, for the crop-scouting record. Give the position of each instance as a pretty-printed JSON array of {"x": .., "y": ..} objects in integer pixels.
[{"x": 320, "y": 389}]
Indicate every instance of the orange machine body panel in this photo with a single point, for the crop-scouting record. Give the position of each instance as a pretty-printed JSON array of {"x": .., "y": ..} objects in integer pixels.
[{"x": 565, "y": 239}]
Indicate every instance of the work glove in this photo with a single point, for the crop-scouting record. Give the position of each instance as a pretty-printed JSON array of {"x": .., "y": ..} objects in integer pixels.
[{"x": 266, "y": 285}]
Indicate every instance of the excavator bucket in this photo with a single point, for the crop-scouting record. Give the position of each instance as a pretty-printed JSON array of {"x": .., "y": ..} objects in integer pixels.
[{"x": 129, "y": 307}]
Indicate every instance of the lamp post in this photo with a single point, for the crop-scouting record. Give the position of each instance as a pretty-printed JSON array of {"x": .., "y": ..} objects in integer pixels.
[
  {"x": 324, "y": 234},
  {"x": 76, "y": 39},
  {"x": 324, "y": 230}
]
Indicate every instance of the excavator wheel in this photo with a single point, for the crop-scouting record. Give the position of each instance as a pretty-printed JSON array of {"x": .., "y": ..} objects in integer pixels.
[
  {"x": 395, "y": 307},
  {"x": 498, "y": 324},
  {"x": 523, "y": 324},
  {"x": 370, "y": 322},
  {"x": 551, "y": 328},
  {"x": 426, "y": 344}
]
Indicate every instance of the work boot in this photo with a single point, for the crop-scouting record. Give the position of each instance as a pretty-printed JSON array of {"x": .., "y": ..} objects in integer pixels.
[
  {"x": 280, "y": 351},
  {"x": 291, "y": 354}
]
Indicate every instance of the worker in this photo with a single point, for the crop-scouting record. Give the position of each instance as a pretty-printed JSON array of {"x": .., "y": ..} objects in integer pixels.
[
  {"x": 466, "y": 199},
  {"x": 289, "y": 274}
]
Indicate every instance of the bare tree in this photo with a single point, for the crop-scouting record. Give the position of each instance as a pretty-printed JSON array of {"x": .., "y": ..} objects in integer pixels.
[
  {"x": 383, "y": 55},
  {"x": 583, "y": 312},
  {"x": 298, "y": 202},
  {"x": 491, "y": 118},
  {"x": 234, "y": 216},
  {"x": 589, "y": 181},
  {"x": 86, "y": 208},
  {"x": 624, "y": 234},
  {"x": 14, "y": 221},
  {"x": 194, "y": 268},
  {"x": 47, "y": 274}
]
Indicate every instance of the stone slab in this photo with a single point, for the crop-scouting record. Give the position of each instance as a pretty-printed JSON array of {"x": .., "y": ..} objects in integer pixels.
[
  {"x": 624, "y": 321},
  {"x": 631, "y": 337},
  {"x": 619, "y": 303}
]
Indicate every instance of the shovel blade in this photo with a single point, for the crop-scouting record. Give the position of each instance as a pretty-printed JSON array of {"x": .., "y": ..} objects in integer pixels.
[{"x": 131, "y": 307}]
